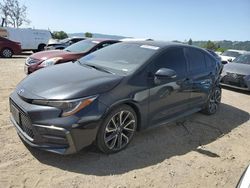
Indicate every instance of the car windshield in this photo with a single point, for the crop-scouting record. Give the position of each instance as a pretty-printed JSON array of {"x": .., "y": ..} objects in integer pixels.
[
  {"x": 120, "y": 58},
  {"x": 231, "y": 54},
  {"x": 244, "y": 59},
  {"x": 82, "y": 46}
]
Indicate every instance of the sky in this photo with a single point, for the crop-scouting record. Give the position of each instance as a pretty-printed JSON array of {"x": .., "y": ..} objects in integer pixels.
[{"x": 157, "y": 19}]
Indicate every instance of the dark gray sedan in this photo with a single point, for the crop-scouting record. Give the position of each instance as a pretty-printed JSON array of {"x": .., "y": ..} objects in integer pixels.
[{"x": 237, "y": 73}]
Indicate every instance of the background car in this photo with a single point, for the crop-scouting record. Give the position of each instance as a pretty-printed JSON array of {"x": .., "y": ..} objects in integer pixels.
[
  {"x": 63, "y": 43},
  {"x": 108, "y": 95},
  {"x": 230, "y": 55},
  {"x": 73, "y": 52},
  {"x": 237, "y": 73},
  {"x": 9, "y": 48}
]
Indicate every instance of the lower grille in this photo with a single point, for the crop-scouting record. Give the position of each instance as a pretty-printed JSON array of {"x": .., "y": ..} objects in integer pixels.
[{"x": 21, "y": 119}]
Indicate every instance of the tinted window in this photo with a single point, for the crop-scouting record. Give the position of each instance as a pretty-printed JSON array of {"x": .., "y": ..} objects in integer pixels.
[
  {"x": 209, "y": 61},
  {"x": 173, "y": 59},
  {"x": 196, "y": 60}
]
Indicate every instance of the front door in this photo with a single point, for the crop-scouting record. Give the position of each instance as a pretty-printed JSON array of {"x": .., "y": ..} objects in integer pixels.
[{"x": 169, "y": 97}]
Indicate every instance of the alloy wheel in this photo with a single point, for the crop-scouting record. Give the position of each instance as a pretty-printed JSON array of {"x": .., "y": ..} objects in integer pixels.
[
  {"x": 214, "y": 100},
  {"x": 7, "y": 53},
  {"x": 119, "y": 130}
]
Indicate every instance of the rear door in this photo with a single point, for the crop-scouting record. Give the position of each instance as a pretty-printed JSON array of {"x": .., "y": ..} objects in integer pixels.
[
  {"x": 200, "y": 74},
  {"x": 171, "y": 96}
]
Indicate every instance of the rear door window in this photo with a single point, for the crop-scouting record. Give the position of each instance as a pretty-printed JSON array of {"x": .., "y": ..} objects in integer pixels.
[
  {"x": 196, "y": 60},
  {"x": 209, "y": 61}
]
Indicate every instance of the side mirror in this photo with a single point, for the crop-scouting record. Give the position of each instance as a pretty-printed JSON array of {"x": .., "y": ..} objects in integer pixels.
[
  {"x": 164, "y": 73},
  {"x": 230, "y": 60},
  {"x": 224, "y": 62}
]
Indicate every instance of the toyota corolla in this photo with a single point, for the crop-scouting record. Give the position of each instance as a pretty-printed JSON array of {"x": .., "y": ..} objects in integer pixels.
[{"x": 108, "y": 95}]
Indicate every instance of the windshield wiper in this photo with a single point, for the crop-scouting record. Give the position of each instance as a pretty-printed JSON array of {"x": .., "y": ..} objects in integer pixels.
[{"x": 99, "y": 68}]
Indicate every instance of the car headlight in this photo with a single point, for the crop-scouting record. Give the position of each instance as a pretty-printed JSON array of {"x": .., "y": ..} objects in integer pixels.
[
  {"x": 50, "y": 61},
  {"x": 68, "y": 107}
]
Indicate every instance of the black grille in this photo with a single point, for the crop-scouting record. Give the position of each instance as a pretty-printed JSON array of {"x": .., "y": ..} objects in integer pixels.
[{"x": 21, "y": 119}]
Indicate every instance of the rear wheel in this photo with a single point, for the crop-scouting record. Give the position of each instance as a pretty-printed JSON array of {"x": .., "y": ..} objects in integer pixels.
[
  {"x": 41, "y": 47},
  {"x": 117, "y": 129},
  {"x": 6, "y": 53},
  {"x": 213, "y": 102}
]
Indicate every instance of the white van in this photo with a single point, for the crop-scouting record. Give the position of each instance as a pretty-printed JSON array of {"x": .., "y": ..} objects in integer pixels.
[{"x": 30, "y": 39}]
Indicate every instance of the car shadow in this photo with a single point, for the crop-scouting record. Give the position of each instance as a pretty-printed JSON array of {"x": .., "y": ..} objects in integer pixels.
[{"x": 152, "y": 146}]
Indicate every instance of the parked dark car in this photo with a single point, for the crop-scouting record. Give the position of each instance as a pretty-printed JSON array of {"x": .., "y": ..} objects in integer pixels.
[
  {"x": 8, "y": 48},
  {"x": 237, "y": 73},
  {"x": 109, "y": 94},
  {"x": 60, "y": 45},
  {"x": 73, "y": 52}
]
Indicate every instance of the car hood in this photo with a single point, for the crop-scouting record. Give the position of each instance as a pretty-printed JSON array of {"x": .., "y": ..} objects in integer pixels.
[
  {"x": 66, "y": 81},
  {"x": 239, "y": 68},
  {"x": 44, "y": 55}
]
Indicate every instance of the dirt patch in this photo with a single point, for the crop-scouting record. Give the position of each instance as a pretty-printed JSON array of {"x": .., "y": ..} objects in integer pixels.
[{"x": 198, "y": 151}]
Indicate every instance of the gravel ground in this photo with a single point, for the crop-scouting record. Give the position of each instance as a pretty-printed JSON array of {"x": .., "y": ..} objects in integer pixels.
[{"x": 198, "y": 151}]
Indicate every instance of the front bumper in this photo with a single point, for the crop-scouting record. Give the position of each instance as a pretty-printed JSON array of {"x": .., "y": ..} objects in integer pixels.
[
  {"x": 236, "y": 81},
  {"x": 67, "y": 149},
  {"x": 43, "y": 128}
]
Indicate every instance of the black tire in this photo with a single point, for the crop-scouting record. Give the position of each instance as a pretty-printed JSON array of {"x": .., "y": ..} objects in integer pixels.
[
  {"x": 41, "y": 47},
  {"x": 117, "y": 129},
  {"x": 213, "y": 102},
  {"x": 6, "y": 53}
]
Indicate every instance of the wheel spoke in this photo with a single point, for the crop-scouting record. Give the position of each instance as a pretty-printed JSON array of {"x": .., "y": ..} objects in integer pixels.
[
  {"x": 120, "y": 117},
  {"x": 113, "y": 121},
  {"x": 109, "y": 129},
  {"x": 125, "y": 118},
  {"x": 125, "y": 137},
  {"x": 126, "y": 126},
  {"x": 113, "y": 143},
  {"x": 119, "y": 143},
  {"x": 110, "y": 137}
]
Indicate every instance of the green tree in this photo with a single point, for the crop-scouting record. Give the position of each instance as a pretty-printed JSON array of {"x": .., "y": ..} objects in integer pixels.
[
  {"x": 190, "y": 42},
  {"x": 210, "y": 45},
  {"x": 88, "y": 34},
  {"x": 59, "y": 35},
  {"x": 14, "y": 13}
]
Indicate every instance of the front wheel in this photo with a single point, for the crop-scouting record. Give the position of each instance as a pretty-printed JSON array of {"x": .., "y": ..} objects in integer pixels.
[
  {"x": 117, "y": 129},
  {"x": 213, "y": 101}
]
